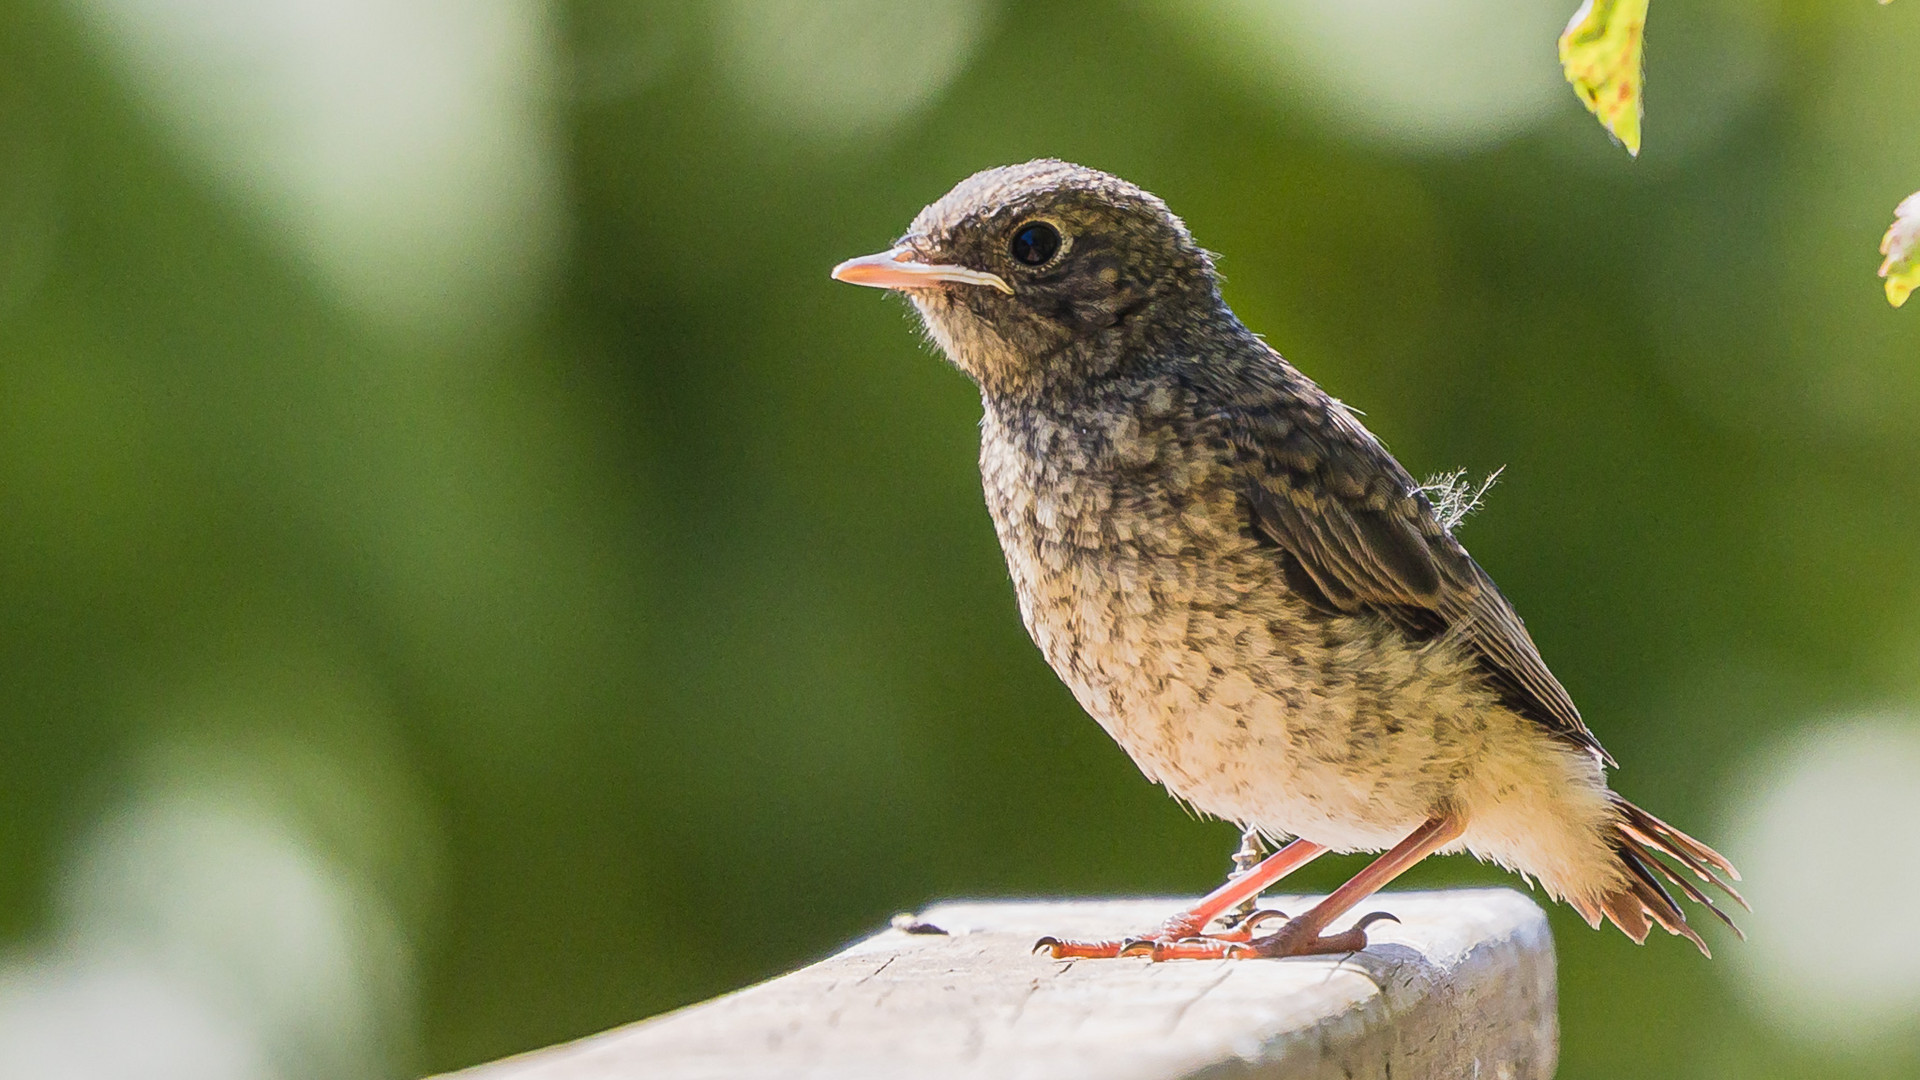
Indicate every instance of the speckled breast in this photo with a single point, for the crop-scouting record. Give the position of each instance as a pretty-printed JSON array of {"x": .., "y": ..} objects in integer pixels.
[{"x": 1140, "y": 585}]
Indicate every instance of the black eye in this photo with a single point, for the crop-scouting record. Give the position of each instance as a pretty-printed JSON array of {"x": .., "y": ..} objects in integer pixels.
[{"x": 1035, "y": 242}]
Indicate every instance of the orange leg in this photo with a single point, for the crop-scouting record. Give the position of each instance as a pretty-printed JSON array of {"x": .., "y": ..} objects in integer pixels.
[
  {"x": 1303, "y": 936},
  {"x": 1190, "y": 923}
]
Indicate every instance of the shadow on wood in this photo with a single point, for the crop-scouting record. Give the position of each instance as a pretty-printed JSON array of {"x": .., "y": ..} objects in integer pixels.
[{"x": 1462, "y": 987}]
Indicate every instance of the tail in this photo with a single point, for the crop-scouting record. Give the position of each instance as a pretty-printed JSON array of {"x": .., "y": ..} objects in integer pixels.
[{"x": 1638, "y": 838}]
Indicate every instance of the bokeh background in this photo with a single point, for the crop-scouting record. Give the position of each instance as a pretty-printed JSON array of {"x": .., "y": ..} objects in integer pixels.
[{"x": 468, "y": 579}]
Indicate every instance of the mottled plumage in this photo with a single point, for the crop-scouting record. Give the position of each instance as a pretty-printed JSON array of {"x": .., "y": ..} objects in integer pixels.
[{"x": 1232, "y": 574}]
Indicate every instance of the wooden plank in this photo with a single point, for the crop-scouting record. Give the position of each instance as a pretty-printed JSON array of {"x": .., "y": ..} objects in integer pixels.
[{"x": 1462, "y": 987}]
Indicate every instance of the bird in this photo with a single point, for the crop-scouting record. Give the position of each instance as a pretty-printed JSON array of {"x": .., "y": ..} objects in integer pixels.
[{"x": 1246, "y": 590}]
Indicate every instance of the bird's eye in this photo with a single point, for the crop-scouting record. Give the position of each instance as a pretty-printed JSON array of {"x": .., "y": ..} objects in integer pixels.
[{"x": 1035, "y": 242}]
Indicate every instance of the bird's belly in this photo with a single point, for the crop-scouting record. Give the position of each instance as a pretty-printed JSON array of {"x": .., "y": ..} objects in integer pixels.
[{"x": 1221, "y": 686}]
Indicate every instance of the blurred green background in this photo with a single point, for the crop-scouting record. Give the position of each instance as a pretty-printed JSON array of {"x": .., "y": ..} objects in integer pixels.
[{"x": 468, "y": 579}]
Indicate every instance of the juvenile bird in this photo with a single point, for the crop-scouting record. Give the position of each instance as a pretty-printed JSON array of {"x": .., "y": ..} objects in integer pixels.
[{"x": 1243, "y": 586}]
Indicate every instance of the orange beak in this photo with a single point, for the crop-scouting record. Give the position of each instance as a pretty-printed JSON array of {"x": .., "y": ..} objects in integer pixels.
[{"x": 897, "y": 269}]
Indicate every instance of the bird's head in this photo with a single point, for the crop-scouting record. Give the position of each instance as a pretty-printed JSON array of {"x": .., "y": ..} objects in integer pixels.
[{"x": 1038, "y": 277}]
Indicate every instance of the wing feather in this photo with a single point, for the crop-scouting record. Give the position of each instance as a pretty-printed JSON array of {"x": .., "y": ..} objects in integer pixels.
[{"x": 1324, "y": 490}]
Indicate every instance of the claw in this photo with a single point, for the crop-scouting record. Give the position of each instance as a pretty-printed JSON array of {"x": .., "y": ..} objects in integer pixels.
[
  {"x": 1373, "y": 917},
  {"x": 1261, "y": 916},
  {"x": 1049, "y": 942},
  {"x": 1240, "y": 930}
]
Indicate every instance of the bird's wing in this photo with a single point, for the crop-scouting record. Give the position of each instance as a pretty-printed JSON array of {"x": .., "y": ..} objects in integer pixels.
[{"x": 1359, "y": 536}]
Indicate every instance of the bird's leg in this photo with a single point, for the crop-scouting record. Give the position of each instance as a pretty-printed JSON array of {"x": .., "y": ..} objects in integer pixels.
[
  {"x": 1189, "y": 923},
  {"x": 1303, "y": 936}
]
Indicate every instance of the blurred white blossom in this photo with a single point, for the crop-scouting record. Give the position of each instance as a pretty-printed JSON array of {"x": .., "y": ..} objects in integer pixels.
[
  {"x": 87, "y": 1019},
  {"x": 203, "y": 932},
  {"x": 838, "y": 67},
  {"x": 1423, "y": 74},
  {"x": 1823, "y": 831},
  {"x": 402, "y": 146}
]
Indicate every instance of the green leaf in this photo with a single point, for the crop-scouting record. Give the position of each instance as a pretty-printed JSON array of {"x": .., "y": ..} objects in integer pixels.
[{"x": 1601, "y": 54}]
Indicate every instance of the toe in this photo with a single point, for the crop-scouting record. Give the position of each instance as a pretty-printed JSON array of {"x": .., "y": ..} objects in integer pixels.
[{"x": 1067, "y": 949}]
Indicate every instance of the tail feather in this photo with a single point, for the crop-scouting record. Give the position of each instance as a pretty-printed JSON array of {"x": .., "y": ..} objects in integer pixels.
[
  {"x": 1628, "y": 912},
  {"x": 1658, "y": 902},
  {"x": 1588, "y": 910},
  {"x": 1693, "y": 854},
  {"x": 1645, "y": 858},
  {"x": 1640, "y": 840}
]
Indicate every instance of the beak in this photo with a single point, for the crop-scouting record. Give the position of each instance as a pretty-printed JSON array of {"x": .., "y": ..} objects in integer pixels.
[{"x": 896, "y": 269}]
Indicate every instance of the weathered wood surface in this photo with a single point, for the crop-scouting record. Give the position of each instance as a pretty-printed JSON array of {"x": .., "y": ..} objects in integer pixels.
[{"x": 1463, "y": 987}]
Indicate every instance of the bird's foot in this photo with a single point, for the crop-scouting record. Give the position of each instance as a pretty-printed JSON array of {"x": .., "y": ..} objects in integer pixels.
[
  {"x": 1298, "y": 939},
  {"x": 1177, "y": 939}
]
